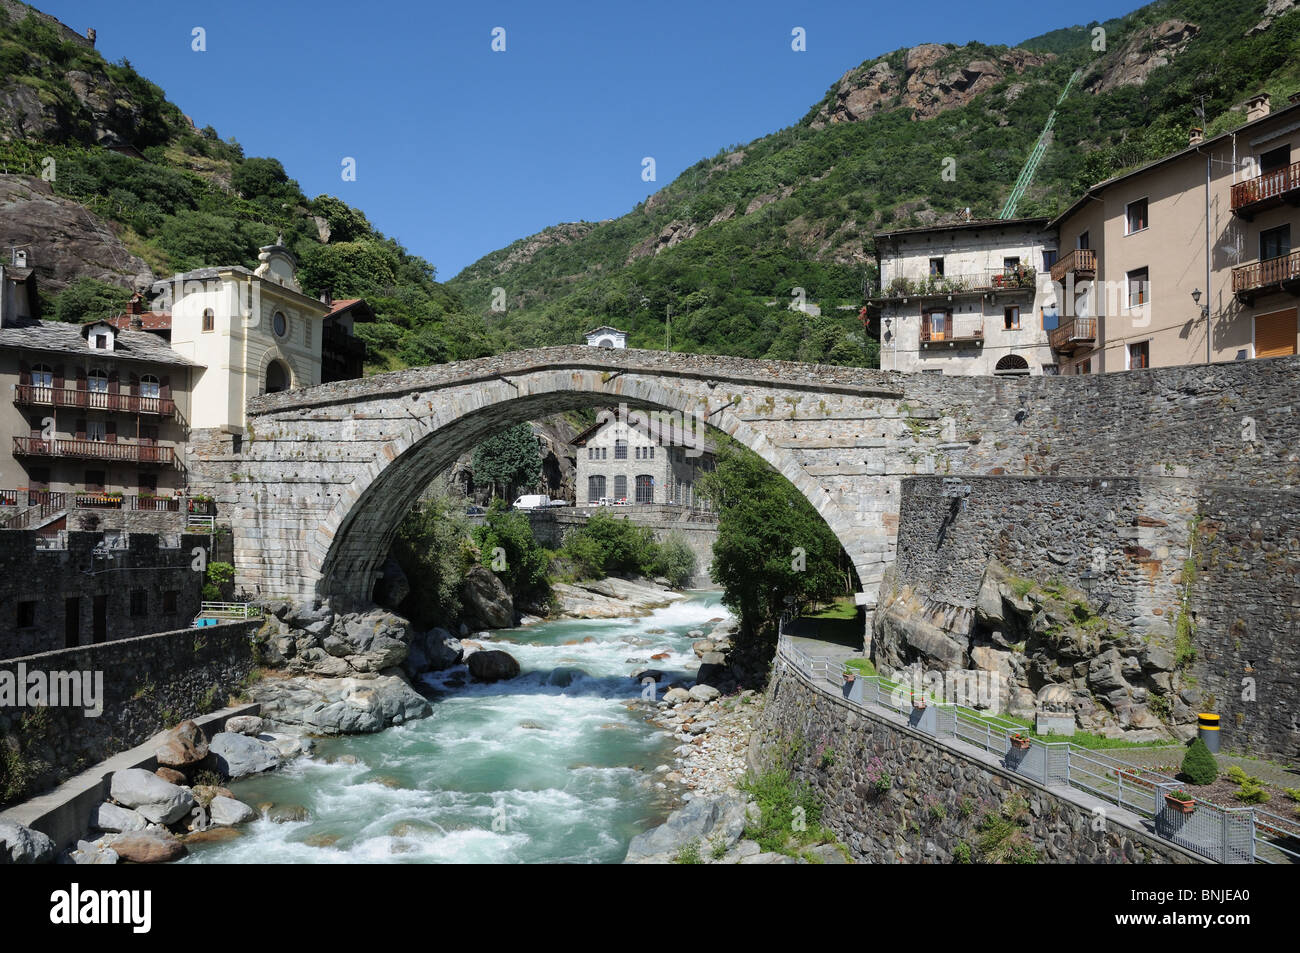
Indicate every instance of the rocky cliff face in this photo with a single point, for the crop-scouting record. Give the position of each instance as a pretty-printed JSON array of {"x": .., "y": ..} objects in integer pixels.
[
  {"x": 1048, "y": 651},
  {"x": 929, "y": 83},
  {"x": 1147, "y": 50},
  {"x": 65, "y": 241}
]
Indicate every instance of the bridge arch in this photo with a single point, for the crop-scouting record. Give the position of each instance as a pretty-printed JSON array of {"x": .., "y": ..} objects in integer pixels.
[{"x": 348, "y": 548}]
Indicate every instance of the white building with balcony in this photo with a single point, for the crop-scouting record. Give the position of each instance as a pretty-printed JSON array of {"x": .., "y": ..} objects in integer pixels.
[{"x": 967, "y": 298}]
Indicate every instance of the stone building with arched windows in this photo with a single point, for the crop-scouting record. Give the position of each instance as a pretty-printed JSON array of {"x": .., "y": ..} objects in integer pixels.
[{"x": 620, "y": 461}]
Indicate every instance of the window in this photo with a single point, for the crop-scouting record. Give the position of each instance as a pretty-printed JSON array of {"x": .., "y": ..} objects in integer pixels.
[
  {"x": 1011, "y": 318},
  {"x": 1274, "y": 160},
  {"x": 1135, "y": 217},
  {"x": 595, "y": 488},
  {"x": 652, "y": 452},
  {"x": 149, "y": 386},
  {"x": 1010, "y": 264},
  {"x": 280, "y": 324},
  {"x": 97, "y": 381},
  {"x": 645, "y": 488},
  {"x": 620, "y": 449},
  {"x": 1051, "y": 317},
  {"x": 96, "y": 430},
  {"x": 209, "y": 319},
  {"x": 620, "y": 487},
  {"x": 169, "y": 601},
  {"x": 1082, "y": 241},
  {"x": 1139, "y": 355},
  {"x": 1013, "y": 365},
  {"x": 26, "y": 614},
  {"x": 95, "y": 481},
  {"x": 139, "y": 603},
  {"x": 42, "y": 376},
  {"x": 938, "y": 322},
  {"x": 101, "y": 342},
  {"x": 148, "y": 483},
  {"x": 1275, "y": 242},
  {"x": 1139, "y": 287},
  {"x": 1050, "y": 256},
  {"x": 604, "y": 452},
  {"x": 936, "y": 267}
]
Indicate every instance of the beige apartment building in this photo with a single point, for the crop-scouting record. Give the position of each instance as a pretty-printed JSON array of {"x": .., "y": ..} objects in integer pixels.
[
  {"x": 966, "y": 298},
  {"x": 1187, "y": 259}
]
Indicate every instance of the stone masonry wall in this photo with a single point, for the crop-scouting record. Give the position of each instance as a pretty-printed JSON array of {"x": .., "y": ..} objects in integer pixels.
[
  {"x": 1233, "y": 553},
  {"x": 938, "y": 797},
  {"x": 149, "y": 683},
  {"x": 51, "y": 578}
]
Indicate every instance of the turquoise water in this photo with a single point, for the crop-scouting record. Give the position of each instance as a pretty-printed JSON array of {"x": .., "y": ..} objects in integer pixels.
[{"x": 553, "y": 766}]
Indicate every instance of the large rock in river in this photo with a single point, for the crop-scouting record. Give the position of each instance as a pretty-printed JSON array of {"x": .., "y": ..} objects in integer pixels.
[
  {"x": 487, "y": 598},
  {"x": 156, "y": 800},
  {"x": 492, "y": 665},
  {"x": 22, "y": 845},
  {"x": 183, "y": 746},
  {"x": 238, "y": 755}
]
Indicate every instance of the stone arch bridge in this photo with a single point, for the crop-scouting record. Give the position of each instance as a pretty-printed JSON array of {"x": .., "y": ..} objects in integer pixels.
[{"x": 324, "y": 474}]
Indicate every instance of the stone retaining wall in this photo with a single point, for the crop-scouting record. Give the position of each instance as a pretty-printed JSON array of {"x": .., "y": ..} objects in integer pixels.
[
  {"x": 149, "y": 683},
  {"x": 938, "y": 798}
]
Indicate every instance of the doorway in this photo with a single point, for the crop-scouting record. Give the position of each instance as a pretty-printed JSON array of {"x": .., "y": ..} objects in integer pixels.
[{"x": 99, "y": 624}]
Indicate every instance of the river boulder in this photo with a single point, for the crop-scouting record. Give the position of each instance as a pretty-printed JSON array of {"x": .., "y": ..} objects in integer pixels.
[
  {"x": 182, "y": 747},
  {"x": 22, "y": 845},
  {"x": 493, "y": 665},
  {"x": 487, "y": 598},
  {"x": 148, "y": 847},
  {"x": 703, "y": 821},
  {"x": 238, "y": 755},
  {"x": 156, "y": 800}
]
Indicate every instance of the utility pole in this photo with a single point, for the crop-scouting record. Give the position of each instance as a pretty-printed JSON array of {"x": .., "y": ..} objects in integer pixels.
[{"x": 668, "y": 324}]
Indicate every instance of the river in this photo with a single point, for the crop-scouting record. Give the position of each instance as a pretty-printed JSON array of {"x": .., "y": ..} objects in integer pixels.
[{"x": 556, "y": 765}]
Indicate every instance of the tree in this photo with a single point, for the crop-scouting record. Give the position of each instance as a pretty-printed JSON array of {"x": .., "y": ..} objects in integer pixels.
[
  {"x": 1199, "y": 766},
  {"x": 508, "y": 548},
  {"x": 508, "y": 460},
  {"x": 87, "y": 298},
  {"x": 771, "y": 542},
  {"x": 346, "y": 223},
  {"x": 431, "y": 548}
]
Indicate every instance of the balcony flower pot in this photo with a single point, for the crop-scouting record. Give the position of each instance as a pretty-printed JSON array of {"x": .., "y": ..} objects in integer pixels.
[
  {"x": 1180, "y": 801},
  {"x": 1020, "y": 742}
]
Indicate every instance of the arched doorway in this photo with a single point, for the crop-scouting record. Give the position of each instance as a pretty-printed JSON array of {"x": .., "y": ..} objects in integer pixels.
[
  {"x": 277, "y": 378},
  {"x": 1013, "y": 365}
]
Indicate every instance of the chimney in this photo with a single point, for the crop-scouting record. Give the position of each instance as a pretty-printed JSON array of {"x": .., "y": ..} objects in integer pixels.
[
  {"x": 90, "y": 35},
  {"x": 136, "y": 304},
  {"x": 1197, "y": 136},
  {"x": 1257, "y": 107},
  {"x": 327, "y": 298}
]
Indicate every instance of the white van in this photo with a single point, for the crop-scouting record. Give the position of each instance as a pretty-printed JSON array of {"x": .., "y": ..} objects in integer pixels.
[{"x": 532, "y": 501}]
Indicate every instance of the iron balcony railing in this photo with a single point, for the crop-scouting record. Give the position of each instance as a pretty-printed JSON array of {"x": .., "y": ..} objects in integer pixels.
[
  {"x": 1266, "y": 273},
  {"x": 1082, "y": 262},
  {"x": 94, "y": 450},
  {"x": 1023, "y": 278},
  {"x": 1073, "y": 332},
  {"x": 1267, "y": 186},
  {"x": 42, "y": 396}
]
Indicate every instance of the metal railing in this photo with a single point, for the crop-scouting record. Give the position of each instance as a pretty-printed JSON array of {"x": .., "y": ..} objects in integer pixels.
[
  {"x": 200, "y": 524},
  {"x": 47, "y": 396},
  {"x": 229, "y": 610},
  {"x": 1222, "y": 834},
  {"x": 955, "y": 328},
  {"x": 1023, "y": 278}
]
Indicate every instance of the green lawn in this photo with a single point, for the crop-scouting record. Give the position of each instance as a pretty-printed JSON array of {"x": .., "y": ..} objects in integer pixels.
[
  {"x": 862, "y": 666},
  {"x": 842, "y": 609}
]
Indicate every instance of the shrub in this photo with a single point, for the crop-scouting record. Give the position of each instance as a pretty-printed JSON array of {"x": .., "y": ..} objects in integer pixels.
[{"x": 1199, "y": 766}]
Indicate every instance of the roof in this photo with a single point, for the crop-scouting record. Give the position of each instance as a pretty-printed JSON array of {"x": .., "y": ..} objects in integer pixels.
[
  {"x": 603, "y": 327},
  {"x": 14, "y": 273},
  {"x": 1092, "y": 191},
  {"x": 670, "y": 436},
  {"x": 360, "y": 305},
  {"x": 152, "y": 321},
  {"x": 61, "y": 337},
  {"x": 973, "y": 225}
]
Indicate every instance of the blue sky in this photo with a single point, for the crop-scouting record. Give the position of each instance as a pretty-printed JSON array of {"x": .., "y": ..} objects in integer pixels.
[{"x": 460, "y": 150}]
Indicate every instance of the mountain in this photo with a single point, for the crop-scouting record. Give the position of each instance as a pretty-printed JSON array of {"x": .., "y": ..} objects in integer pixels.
[{"x": 712, "y": 262}]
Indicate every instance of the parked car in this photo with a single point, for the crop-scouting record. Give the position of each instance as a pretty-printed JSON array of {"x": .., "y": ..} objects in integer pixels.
[
  {"x": 474, "y": 511},
  {"x": 559, "y": 503},
  {"x": 532, "y": 501}
]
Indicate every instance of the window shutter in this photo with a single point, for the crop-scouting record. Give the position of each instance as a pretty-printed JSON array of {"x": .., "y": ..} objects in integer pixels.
[
  {"x": 24, "y": 373},
  {"x": 133, "y": 382},
  {"x": 110, "y": 431},
  {"x": 58, "y": 376},
  {"x": 81, "y": 378},
  {"x": 81, "y": 428},
  {"x": 113, "y": 382},
  {"x": 165, "y": 386}
]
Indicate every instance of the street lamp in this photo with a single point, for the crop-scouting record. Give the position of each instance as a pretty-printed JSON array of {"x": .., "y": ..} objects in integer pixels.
[{"x": 1196, "y": 297}]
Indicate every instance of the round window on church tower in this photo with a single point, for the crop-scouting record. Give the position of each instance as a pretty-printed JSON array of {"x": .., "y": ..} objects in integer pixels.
[{"x": 280, "y": 324}]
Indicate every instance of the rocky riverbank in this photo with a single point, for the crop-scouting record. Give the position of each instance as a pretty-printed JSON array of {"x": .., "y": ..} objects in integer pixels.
[{"x": 610, "y": 598}]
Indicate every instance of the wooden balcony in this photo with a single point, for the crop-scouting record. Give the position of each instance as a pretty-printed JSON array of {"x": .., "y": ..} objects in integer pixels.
[
  {"x": 963, "y": 335},
  {"x": 1267, "y": 276},
  {"x": 1267, "y": 190},
  {"x": 1082, "y": 262},
  {"x": 94, "y": 450},
  {"x": 41, "y": 396},
  {"x": 1073, "y": 334}
]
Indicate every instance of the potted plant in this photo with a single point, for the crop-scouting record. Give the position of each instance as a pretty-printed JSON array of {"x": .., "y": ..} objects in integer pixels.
[
  {"x": 918, "y": 701},
  {"x": 1020, "y": 741},
  {"x": 849, "y": 676},
  {"x": 1180, "y": 801}
]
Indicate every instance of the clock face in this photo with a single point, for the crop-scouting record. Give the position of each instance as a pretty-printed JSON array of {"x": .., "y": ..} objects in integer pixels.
[{"x": 279, "y": 324}]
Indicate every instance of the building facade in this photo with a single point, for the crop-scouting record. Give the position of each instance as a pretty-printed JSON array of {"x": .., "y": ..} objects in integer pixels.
[
  {"x": 1187, "y": 259},
  {"x": 92, "y": 411},
  {"x": 252, "y": 332},
  {"x": 619, "y": 461},
  {"x": 966, "y": 298},
  {"x": 605, "y": 336}
]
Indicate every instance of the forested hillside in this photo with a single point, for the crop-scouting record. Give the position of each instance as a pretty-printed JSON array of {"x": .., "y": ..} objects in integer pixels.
[{"x": 709, "y": 263}]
